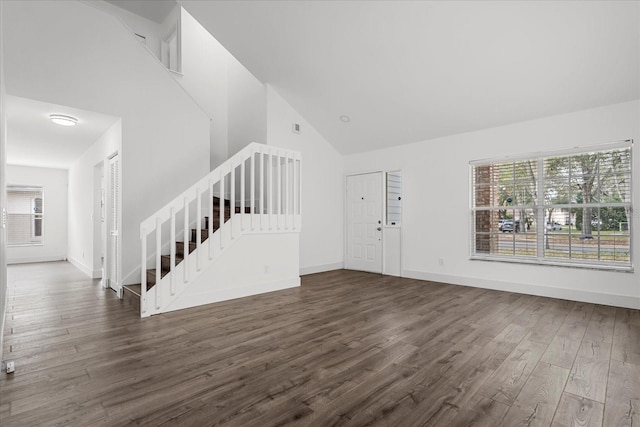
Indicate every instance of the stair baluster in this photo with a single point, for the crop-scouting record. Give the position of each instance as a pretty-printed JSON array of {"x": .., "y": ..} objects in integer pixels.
[
  {"x": 186, "y": 248},
  {"x": 198, "y": 227},
  {"x": 279, "y": 182},
  {"x": 210, "y": 220},
  {"x": 143, "y": 276},
  {"x": 253, "y": 189},
  {"x": 262, "y": 183},
  {"x": 286, "y": 192},
  {"x": 242, "y": 191},
  {"x": 172, "y": 253},
  {"x": 232, "y": 208},
  {"x": 158, "y": 258},
  {"x": 221, "y": 204},
  {"x": 270, "y": 197}
]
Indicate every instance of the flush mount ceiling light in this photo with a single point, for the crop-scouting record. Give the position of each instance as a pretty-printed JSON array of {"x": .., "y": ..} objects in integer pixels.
[
  {"x": 62, "y": 120},
  {"x": 345, "y": 119}
]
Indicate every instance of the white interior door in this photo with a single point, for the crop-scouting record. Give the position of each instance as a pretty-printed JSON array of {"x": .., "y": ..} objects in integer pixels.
[
  {"x": 364, "y": 222},
  {"x": 113, "y": 223}
]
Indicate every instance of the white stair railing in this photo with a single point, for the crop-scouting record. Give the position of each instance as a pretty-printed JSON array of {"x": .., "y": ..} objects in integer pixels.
[{"x": 269, "y": 176}]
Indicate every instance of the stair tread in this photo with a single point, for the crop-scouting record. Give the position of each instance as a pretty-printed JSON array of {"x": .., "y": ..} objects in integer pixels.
[
  {"x": 134, "y": 289},
  {"x": 204, "y": 234},
  {"x": 152, "y": 271},
  {"x": 180, "y": 247},
  {"x": 179, "y": 257},
  {"x": 216, "y": 201}
]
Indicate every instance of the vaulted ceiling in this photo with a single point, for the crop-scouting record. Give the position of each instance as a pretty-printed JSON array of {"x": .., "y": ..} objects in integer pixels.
[{"x": 417, "y": 70}]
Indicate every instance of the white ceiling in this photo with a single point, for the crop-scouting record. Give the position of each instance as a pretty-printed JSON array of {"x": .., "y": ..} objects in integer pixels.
[
  {"x": 417, "y": 70},
  {"x": 155, "y": 10},
  {"x": 34, "y": 140}
]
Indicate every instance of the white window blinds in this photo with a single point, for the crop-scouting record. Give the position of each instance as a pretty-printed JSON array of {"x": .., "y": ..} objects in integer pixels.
[
  {"x": 25, "y": 210},
  {"x": 566, "y": 208}
]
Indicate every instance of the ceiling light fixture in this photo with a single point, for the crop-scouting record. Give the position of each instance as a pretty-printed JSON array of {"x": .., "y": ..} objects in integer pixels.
[
  {"x": 62, "y": 120},
  {"x": 345, "y": 119}
]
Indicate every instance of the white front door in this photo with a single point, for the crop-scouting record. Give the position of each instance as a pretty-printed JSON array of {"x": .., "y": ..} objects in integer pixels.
[
  {"x": 364, "y": 222},
  {"x": 113, "y": 223}
]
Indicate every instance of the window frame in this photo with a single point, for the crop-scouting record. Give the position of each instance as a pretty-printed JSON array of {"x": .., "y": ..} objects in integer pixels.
[
  {"x": 540, "y": 207},
  {"x": 387, "y": 222},
  {"x": 34, "y": 215}
]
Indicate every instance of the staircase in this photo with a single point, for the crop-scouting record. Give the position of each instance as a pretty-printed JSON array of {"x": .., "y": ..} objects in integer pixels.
[{"x": 257, "y": 191}]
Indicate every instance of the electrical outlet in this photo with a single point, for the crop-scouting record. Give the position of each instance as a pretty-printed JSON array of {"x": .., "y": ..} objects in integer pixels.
[
  {"x": 440, "y": 261},
  {"x": 11, "y": 367}
]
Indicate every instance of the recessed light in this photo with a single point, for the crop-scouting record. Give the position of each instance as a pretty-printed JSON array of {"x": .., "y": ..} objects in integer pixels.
[
  {"x": 62, "y": 120},
  {"x": 345, "y": 119}
]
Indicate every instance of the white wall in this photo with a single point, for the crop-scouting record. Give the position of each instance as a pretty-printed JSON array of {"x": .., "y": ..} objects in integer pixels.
[
  {"x": 435, "y": 224},
  {"x": 205, "y": 69},
  {"x": 321, "y": 238},
  {"x": 247, "y": 108},
  {"x": 233, "y": 98},
  {"x": 81, "y": 200},
  {"x": 151, "y": 30},
  {"x": 165, "y": 135},
  {"x": 54, "y": 185}
]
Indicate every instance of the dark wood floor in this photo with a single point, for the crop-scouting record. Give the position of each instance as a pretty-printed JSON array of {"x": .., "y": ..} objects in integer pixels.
[{"x": 347, "y": 348}]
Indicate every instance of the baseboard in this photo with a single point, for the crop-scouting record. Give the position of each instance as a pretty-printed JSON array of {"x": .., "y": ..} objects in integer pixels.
[
  {"x": 29, "y": 260},
  {"x": 321, "y": 268},
  {"x": 522, "y": 288},
  {"x": 94, "y": 274}
]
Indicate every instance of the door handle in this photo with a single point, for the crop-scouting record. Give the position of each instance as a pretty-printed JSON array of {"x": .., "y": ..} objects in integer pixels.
[{"x": 379, "y": 228}]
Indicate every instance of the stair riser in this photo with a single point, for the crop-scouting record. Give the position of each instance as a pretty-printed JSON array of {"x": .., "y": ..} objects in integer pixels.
[
  {"x": 180, "y": 248},
  {"x": 204, "y": 235},
  {"x": 216, "y": 221},
  {"x": 151, "y": 279},
  {"x": 166, "y": 262}
]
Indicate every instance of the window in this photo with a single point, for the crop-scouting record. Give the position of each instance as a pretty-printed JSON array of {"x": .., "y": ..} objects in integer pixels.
[
  {"x": 394, "y": 198},
  {"x": 171, "y": 55},
  {"x": 25, "y": 210},
  {"x": 570, "y": 208}
]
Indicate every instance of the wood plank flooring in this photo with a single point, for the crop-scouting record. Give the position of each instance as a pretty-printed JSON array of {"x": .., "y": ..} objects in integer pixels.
[{"x": 346, "y": 348}]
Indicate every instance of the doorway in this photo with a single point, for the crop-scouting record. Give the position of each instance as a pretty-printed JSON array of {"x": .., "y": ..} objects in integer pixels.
[
  {"x": 364, "y": 222},
  {"x": 113, "y": 225},
  {"x": 170, "y": 53},
  {"x": 99, "y": 223}
]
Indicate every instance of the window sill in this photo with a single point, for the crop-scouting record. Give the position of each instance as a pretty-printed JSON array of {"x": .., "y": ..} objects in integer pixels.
[{"x": 550, "y": 263}]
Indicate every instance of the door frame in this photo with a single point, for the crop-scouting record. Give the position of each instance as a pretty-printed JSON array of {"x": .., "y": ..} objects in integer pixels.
[
  {"x": 107, "y": 261},
  {"x": 99, "y": 222},
  {"x": 400, "y": 227},
  {"x": 346, "y": 215}
]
